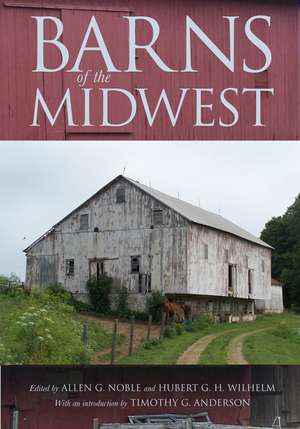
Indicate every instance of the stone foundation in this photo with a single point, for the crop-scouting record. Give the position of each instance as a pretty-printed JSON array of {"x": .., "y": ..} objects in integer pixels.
[
  {"x": 136, "y": 301},
  {"x": 220, "y": 309}
]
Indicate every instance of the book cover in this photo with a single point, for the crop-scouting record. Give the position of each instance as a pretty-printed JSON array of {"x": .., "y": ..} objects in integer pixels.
[{"x": 149, "y": 214}]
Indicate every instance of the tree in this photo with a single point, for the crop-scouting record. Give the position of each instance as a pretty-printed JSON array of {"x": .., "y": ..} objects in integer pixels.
[
  {"x": 283, "y": 233},
  {"x": 99, "y": 293},
  {"x": 12, "y": 278}
]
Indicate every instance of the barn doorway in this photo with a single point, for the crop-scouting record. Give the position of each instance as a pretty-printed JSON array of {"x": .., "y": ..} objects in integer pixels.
[
  {"x": 97, "y": 268},
  {"x": 231, "y": 279}
]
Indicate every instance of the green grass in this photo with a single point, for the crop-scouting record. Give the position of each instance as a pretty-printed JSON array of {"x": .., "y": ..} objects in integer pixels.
[
  {"x": 274, "y": 346},
  {"x": 216, "y": 351},
  {"x": 39, "y": 328},
  {"x": 170, "y": 349},
  {"x": 165, "y": 352}
]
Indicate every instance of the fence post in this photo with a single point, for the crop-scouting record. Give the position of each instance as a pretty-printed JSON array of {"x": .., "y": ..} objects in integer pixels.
[
  {"x": 85, "y": 334},
  {"x": 131, "y": 335},
  {"x": 162, "y": 327},
  {"x": 15, "y": 419},
  {"x": 114, "y": 342},
  {"x": 149, "y": 327},
  {"x": 189, "y": 423},
  {"x": 174, "y": 319}
]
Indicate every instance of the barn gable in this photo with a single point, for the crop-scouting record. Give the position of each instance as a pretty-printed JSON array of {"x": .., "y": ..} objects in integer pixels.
[{"x": 187, "y": 211}]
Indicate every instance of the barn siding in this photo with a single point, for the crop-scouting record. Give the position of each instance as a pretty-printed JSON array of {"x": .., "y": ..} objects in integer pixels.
[
  {"x": 281, "y": 111},
  {"x": 184, "y": 260},
  {"x": 275, "y": 304},
  {"x": 210, "y": 276},
  {"x": 124, "y": 231},
  {"x": 283, "y": 403}
]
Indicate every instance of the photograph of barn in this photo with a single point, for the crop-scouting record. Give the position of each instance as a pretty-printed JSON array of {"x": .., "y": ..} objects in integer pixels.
[{"x": 146, "y": 240}]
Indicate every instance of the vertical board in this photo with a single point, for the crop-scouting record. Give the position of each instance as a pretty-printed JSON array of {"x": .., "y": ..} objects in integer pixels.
[{"x": 113, "y": 29}]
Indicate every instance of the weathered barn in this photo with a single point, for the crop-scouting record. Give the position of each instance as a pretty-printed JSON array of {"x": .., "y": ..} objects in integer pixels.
[{"x": 147, "y": 240}]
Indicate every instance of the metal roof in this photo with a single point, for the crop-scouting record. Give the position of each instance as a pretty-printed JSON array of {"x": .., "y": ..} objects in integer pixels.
[
  {"x": 198, "y": 215},
  {"x": 189, "y": 211}
]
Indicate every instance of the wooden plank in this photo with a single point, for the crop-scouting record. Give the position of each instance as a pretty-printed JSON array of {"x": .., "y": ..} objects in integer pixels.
[
  {"x": 131, "y": 335},
  {"x": 15, "y": 420},
  {"x": 58, "y": 5},
  {"x": 149, "y": 327},
  {"x": 114, "y": 342},
  {"x": 113, "y": 28}
]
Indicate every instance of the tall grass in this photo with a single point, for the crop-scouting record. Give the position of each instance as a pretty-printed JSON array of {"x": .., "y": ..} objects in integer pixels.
[{"x": 40, "y": 328}]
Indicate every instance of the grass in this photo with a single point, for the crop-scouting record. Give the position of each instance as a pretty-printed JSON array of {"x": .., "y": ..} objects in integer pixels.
[
  {"x": 216, "y": 351},
  {"x": 38, "y": 328},
  {"x": 42, "y": 328},
  {"x": 165, "y": 352},
  {"x": 170, "y": 349},
  {"x": 277, "y": 346}
]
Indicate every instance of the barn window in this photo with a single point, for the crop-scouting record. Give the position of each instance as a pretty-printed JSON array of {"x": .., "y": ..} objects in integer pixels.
[
  {"x": 231, "y": 278},
  {"x": 250, "y": 281},
  {"x": 120, "y": 196},
  {"x": 70, "y": 267},
  {"x": 144, "y": 285},
  {"x": 205, "y": 251},
  {"x": 135, "y": 264},
  {"x": 157, "y": 217},
  {"x": 84, "y": 222},
  {"x": 100, "y": 269},
  {"x": 263, "y": 266}
]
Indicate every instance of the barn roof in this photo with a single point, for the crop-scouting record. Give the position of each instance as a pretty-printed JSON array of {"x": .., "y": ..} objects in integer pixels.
[
  {"x": 190, "y": 212},
  {"x": 198, "y": 215},
  {"x": 275, "y": 282}
]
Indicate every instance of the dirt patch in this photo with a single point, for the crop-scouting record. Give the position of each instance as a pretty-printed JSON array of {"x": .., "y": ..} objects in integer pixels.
[
  {"x": 192, "y": 354},
  {"x": 107, "y": 324},
  {"x": 235, "y": 348}
]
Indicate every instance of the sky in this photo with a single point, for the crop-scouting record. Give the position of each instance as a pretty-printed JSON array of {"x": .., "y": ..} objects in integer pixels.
[{"x": 41, "y": 182}]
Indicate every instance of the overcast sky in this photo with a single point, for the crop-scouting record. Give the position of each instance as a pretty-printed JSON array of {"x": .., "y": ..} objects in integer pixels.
[{"x": 248, "y": 182}]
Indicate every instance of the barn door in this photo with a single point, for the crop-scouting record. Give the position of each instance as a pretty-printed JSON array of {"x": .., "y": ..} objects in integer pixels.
[
  {"x": 268, "y": 406},
  {"x": 18, "y": 82},
  {"x": 292, "y": 395},
  {"x": 97, "y": 268},
  {"x": 114, "y": 30}
]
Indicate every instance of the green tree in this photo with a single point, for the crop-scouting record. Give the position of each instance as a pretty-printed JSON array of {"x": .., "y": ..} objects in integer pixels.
[
  {"x": 154, "y": 304},
  {"x": 121, "y": 302},
  {"x": 12, "y": 278},
  {"x": 99, "y": 293},
  {"x": 283, "y": 233}
]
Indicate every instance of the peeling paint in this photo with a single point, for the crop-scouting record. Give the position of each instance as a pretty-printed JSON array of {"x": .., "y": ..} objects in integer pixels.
[{"x": 182, "y": 258}]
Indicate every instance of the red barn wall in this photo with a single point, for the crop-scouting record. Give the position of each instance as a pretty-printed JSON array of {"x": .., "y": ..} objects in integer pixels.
[
  {"x": 37, "y": 410},
  {"x": 18, "y": 83}
]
